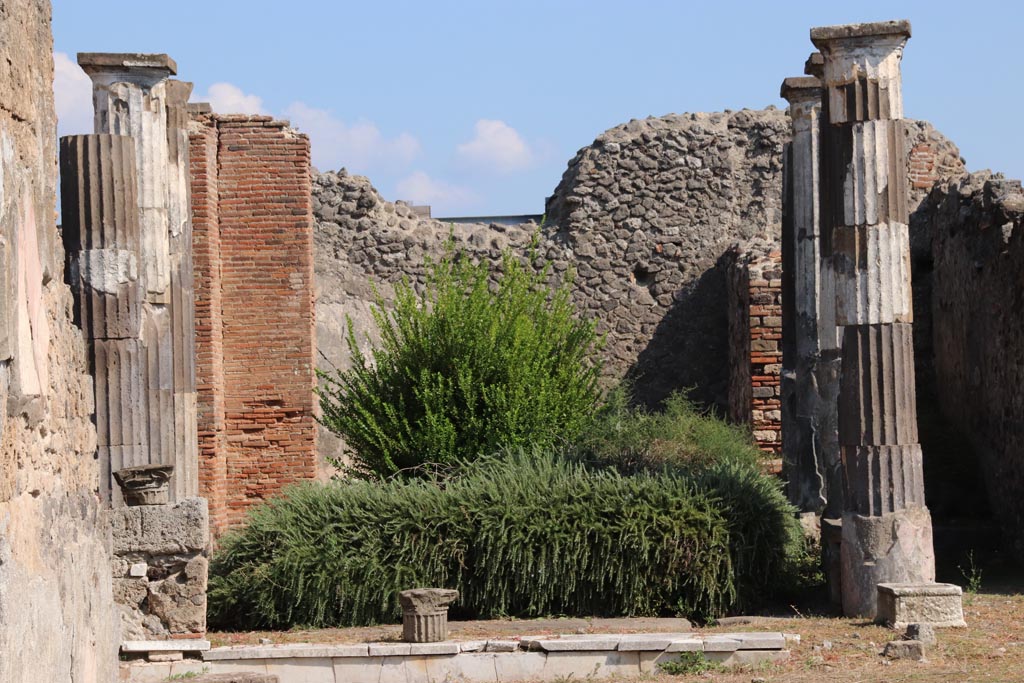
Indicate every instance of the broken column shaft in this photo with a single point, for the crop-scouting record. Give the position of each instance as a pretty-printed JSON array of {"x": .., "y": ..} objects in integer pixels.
[
  {"x": 886, "y": 534},
  {"x": 133, "y": 96},
  {"x": 100, "y": 229},
  {"x": 810, "y": 340}
]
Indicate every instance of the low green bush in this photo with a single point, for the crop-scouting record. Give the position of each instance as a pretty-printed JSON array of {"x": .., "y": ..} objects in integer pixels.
[
  {"x": 521, "y": 535},
  {"x": 765, "y": 540},
  {"x": 478, "y": 361},
  {"x": 632, "y": 438}
]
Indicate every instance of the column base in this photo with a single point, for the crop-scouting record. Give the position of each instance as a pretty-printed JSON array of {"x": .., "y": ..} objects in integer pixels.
[{"x": 892, "y": 548}]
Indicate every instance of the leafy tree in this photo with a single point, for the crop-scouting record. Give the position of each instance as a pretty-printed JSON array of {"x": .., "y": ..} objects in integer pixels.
[{"x": 478, "y": 361}]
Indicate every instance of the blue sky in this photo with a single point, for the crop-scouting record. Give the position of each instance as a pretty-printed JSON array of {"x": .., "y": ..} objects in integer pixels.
[{"x": 476, "y": 107}]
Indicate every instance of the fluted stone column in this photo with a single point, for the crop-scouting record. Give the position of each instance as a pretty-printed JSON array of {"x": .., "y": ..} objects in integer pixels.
[
  {"x": 811, "y": 347},
  {"x": 886, "y": 529},
  {"x": 133, "y": 96},
  {"x": 100, "y": 229}
]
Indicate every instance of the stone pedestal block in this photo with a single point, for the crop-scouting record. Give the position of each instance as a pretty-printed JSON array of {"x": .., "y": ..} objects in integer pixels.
[
  {"x": 938, "y": 605},
  {"x": 894, "y": 547},
  {"x": 160, "y": 574}
]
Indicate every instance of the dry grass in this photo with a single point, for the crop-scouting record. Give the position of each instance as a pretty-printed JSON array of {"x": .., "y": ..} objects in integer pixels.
[{"x": 837, "y": 650}]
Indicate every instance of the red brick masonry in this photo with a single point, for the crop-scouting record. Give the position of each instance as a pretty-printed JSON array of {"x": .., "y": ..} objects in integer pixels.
[
  {"x": 255, "y": 332},
  {"x": 755, "y": 342}
]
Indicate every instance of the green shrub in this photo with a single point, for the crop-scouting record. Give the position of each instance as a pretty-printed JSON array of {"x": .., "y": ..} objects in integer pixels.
[
  {"x": 765, "y": 540},
  {"x": 634, "y": 439},
  {"x": 524, "y": 535},
  {"x": 477, "y": 362}
]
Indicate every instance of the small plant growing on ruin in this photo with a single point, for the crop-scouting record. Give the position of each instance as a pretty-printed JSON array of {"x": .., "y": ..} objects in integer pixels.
[
  {"x": 687, "y": 664},
  {"x": 971, "y": 574},
  {"x": 478, "y": 361}
]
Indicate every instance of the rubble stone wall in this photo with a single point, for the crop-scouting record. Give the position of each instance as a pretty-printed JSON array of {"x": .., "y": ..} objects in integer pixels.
[
  {"x": 254, "y": 262},
  {"x": 978, "y": 328},
  {"x": 57, "y": 620},
  {"x": 642, "y": 216}
]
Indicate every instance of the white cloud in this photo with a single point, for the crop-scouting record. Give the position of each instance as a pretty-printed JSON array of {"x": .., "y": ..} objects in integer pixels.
[
  {"x": 227, "y": 98},
  {"x": 72, "y": 92},
  {"x": 360, "y": 146},
  {"x": 496, "y": 146},
  {"x": 422, "y": 189}
]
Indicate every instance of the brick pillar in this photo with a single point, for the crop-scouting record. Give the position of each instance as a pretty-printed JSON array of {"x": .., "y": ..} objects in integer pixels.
[
  {"x": 253, "y": 251},
  {"x": 810, "y": 385},
  {"x": 754, "y": 295},
  {"x": 132, "y": 96},
  {"x": 886, "y": 529},
  {"x": 208, "y": 312}
]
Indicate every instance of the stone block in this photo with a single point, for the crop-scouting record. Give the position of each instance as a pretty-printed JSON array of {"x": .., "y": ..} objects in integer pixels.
[
  {"x": 905, "y": 649},
  {"x": 180, "y": 644},
  {"x": 170, "y": 656},
  {"x": 302, "y": 670},
  {"x": 419, "y": 649},
  {"x": 388, "y": 649},
  {"x": 649, "y": 641},
  {"x": 239, "y": 668},
  {"x": 747, "y": 657},
  {"x": 242, "y": 677},
  {"x": 161, "y": 529},
  {"x": 392, "y": 670},
  {"x": 937, "y": 604},
  {"x": 588, "y": 643},
  {"x": 358, "y": 669},
  {"x": 895, "y": 547},
  {"x": 477, "y": 667},
  {"x": 472, "y": 645},
  {"x": 924, "y": 633},
  {"x": 760, "y": 640},
  {"x": 721, "y": 643},
  {"x": 517, "y": 666},
  {"x": 689, "y": 644},
  {"x": 501, "y": 646},
  {"x": 581, "y": 665},
  {"x": 130, "y": 592},
  {"x": 150, "y": 672},
  {"x": 650, "y": 659}
]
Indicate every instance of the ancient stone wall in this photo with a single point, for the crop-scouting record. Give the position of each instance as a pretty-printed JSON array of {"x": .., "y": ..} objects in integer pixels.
[
  {"x": 255, "y": 326},
  {"x": 978, "y": 329},
  {"x": 364, "y": 245},
  {"x": 647, "y": 210},
  {"x": 642, "y": 216},
  {"x": 754, "y": 300},
  {"x": 57, "y": 620}
]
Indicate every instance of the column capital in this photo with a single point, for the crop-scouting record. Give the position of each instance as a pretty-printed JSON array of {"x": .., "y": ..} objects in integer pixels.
[
  {"x": 861, "y": 70},
  {"x": 144, "y": 70},
  {"x": 801, "y": 89},
  {"x": 815, "y": 65},
  {"x": 822, "y": 36}
]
